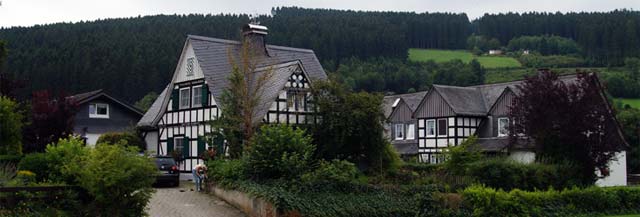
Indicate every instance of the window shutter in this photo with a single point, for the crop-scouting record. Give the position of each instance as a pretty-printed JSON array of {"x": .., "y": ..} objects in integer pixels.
[
  {"x": 175, "y": 100},
  {"x": 185, "y": 147},
  {"x": 201, "y": 146},
  {"x": 169, "y": 145},
  {"x": 218, "y": 143},
  {"x": 205, "y": 95}
]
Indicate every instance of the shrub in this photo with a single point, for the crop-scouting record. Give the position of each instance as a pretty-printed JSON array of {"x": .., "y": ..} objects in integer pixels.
[
  {"x": 118, "y": 178},
  {"x": 62, "y": 156},
  {"x": 10, "y": 159},
  {"x": 508, "y": 174},
  {"x": 37, "y": 163},
  {"x": 482, "y": 201},
  {"x": 129, "y": 138},
  {"x": 278, "y": 151},
  {"x": 225, "y": 172},
  {"x": 10, "y": 127},
  {"x": 460, "y": 157},
  {"x": 334, "y": 172},
  {"x": 25, "y": 177},
  {"x": 7, "y": 172}
]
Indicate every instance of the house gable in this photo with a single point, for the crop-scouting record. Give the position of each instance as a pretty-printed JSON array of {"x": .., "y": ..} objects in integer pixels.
[
  {"x": 433, "y": 105},
  {"x": 401, "y": 113},
  {"x": 188, "y": 67}
]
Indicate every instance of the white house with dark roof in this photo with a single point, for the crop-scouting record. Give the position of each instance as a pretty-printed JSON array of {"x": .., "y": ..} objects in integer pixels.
[
  {"x": 180, "y": 116},
  {"x": 401, "y": 128}
]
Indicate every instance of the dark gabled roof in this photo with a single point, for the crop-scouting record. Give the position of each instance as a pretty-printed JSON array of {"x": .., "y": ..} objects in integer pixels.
[
  {"x": 214, "y": 56},
  {"x": 149, "y": 118},
  {"x": 88, "y": 96},
  {"x": 411, "y": 99},
  {"x": 276, "y": 82},
  {"x": 463, "y": 100}
]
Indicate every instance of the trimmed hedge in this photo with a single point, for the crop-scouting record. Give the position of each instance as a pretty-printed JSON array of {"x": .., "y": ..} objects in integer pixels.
[
  {"x": 508, "y": 174},
  {"x": 483, "y": 201}
]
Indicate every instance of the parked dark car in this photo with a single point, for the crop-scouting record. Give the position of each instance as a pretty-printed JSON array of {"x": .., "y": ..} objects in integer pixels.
[{"x": 169, "y": 172}]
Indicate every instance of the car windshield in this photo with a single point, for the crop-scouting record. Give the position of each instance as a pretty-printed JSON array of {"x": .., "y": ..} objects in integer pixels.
[{"x": 164, "y": 161}]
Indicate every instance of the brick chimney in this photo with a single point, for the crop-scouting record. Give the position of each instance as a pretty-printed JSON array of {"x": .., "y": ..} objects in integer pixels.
[{"x": 255, "y": 35}]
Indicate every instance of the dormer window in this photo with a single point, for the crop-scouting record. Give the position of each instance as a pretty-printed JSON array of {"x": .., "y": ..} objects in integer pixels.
[
  {"x": 98, "y": 110},
  {"x": 190, "y": 61}
]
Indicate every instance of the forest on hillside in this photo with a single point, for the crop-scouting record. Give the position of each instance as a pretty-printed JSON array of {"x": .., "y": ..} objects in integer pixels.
[{"x": 130, "y": 57}]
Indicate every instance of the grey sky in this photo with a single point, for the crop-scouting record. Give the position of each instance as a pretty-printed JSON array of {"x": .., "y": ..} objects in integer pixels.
[{"x": 31, "y": 12}]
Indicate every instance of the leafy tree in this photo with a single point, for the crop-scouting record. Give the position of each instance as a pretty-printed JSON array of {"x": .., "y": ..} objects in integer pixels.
[
  {"x": 51, "y": 119},
  {"x": 629, "y": 119},
  {"x": 145, "y": 103},
  {"x": 10, "y": 127},
  {"x": 239, "y": 101},
  {"x": 351, "y": 127},
  {"x": 567, "y": 121}
]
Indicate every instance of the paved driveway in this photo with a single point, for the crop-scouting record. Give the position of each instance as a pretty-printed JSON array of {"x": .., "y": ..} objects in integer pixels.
[{"x": 182, "y": 202}]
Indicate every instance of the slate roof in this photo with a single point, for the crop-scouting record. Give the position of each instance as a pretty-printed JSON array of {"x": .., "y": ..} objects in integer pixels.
[
  {"x": 463, "y": 100},
  {"x": 149, "y": 118},
  {"x": 478, "y": 100},
  {"x": 499, "y": 144},
  {"x": 276, "y": 82},
  {"x": 411, "y": 99},
  {"x": 213, "y": 57},
  {"x": 82, "y": 98}
]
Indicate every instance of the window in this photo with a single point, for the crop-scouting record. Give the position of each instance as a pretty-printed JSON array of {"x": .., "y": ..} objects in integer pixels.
[
  {"x": 291, "y": 97},
  {"x": 442, "y": 127},
  {"x": 411, "y": 131},
  {"x": 300, "y": 101},
  {"x": 190, "y": 66},
  {"x": 399, "y": 131},
  {"x": 503, "y": 127},
  {"x": 431, "y": 128},
  {"x": 178, "y": 143},
  {"x": 197, "y": 96},
  {"x": 98, "y": 110},
  {"x": 185, "y": 96},
  {"x": 395, "y": 103}
]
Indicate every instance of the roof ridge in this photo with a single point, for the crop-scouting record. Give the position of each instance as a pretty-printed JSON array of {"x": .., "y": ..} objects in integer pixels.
[
  {"x": 452, "y": 86},
  {"x": 407, "y": 94},
  {"x": 227, "y": 41}
]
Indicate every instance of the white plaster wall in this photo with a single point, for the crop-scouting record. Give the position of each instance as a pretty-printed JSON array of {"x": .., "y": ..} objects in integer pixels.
[
  {"x": 151, "y": 139},
  {"x": 182, "y": 66},
  {"x": 523, "y": 156},
  {"x": 92, "y": 138},
  {"x": 617, "y": 172}
]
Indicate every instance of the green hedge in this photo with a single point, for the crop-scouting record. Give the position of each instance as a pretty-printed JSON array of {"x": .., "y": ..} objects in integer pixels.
[
  {"x": 131, "y": 139},
  {"x": 483, "y": 201},
  {"x": 359, "y": 200},
  {"x": 508, "y": 174}
]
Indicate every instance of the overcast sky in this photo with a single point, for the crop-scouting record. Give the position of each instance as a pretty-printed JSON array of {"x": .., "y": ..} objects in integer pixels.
[{"x": 31, "y": 12}]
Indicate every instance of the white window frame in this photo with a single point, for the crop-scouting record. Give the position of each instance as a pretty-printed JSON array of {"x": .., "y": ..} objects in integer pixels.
[
  {"x": 500, "y": 126},
  {"x": 188, "y": 103},
  {"x": 96, "y": 115},
  {"x": 446, "y": 127},
  {"x": 434, "y": 128},
  {"x": 194, "y": 102},
  {"x": 399, "y": 128},
  {"x": 291, "y": 101},
  {"x": 411, "y": 131},
  {"x": 190, "y": 65}
]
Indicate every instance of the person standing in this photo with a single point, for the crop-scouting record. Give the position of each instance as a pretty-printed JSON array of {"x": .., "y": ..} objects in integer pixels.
[{"x": 199, "y": 174}]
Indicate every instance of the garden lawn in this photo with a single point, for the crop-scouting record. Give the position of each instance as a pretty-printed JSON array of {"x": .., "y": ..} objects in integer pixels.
[
  {"x": 634, "y": 103},
  {"x": 439, "y": 56}
]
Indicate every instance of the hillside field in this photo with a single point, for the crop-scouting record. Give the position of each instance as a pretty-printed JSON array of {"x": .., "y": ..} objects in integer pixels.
[
  {"x": 634, "y": 103},
  {"x": 438, "y": 56}
]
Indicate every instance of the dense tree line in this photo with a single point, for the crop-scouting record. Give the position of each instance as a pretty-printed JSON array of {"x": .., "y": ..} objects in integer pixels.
[
  {"x": 606, "y": 37},
  {"x": 545, "y": 45},
  {"x": 130, "y": 57},
  {"x": 397, "y": 76}
]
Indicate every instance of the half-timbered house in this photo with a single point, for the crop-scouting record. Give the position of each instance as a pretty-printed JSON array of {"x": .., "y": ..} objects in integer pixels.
[
  {"x": 401, "y": 126},
  {"x": 178, "y": 119},
  {"x": 447, "y": 115}
]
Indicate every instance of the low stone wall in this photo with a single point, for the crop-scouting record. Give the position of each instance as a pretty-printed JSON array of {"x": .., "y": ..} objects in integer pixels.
[{"x": 251, "y": 206}]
